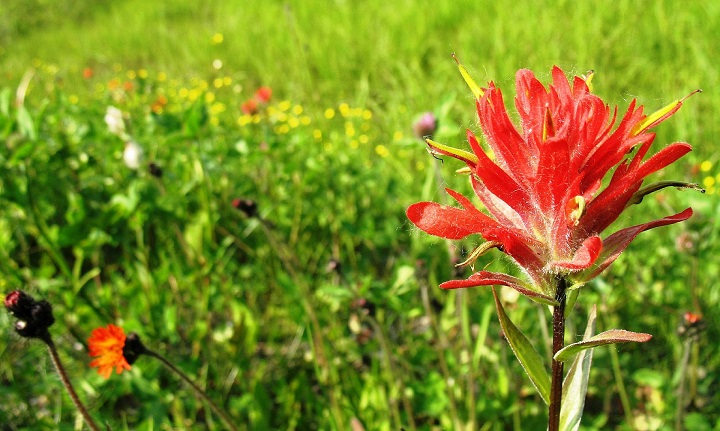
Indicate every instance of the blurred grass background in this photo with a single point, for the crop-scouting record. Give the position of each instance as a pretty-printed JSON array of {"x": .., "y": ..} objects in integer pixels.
[{"x": 249, "y": 307}]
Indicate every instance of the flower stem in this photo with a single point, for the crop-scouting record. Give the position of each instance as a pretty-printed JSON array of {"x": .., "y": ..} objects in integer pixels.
[
  {"x": 220, "y": 412},
  {"x": 66, "y": 382},
  {"x": 557, "y": 366}
]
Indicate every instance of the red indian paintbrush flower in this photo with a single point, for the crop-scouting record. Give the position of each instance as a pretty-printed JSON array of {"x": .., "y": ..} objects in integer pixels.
[
  {"x": 542, "y": 186},
  {"x": 106, "y": 344}
]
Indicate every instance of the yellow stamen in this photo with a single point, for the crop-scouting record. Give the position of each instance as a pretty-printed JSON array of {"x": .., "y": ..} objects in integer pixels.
[
  {"x": 548, "y": 126},
  {"x": 588, "y": 79},
  {"x": 575, "y": 208}
]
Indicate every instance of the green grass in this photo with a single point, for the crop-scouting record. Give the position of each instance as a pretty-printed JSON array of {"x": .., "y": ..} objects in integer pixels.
[{"x": 249, "y": 308}]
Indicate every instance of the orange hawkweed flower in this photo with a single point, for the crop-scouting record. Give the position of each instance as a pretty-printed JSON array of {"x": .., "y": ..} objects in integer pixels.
[
  {"x": 106, "y": 345},
  {"x": 249, "y": 107},
  {"x": 263, "y": 94}
]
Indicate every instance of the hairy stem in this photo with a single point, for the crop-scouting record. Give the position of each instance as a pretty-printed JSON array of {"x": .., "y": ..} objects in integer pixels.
[
  {"x": 220, "y": 412},
  {"x": 557, "y": 366},
  {"x": 66, "y": 382}
]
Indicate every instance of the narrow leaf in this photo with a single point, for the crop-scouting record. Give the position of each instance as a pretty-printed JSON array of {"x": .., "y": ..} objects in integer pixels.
[
  {"x": 529, "y": 358},
  {"x": 608, "y": 337},
  {"x": 575, "y": 384}
]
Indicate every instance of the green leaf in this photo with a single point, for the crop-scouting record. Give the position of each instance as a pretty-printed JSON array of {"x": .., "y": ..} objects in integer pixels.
[
  {"x": 23, "y": 152},
  {"x": 26, "y": 125},
  {"x": 575, "y": 384},
  {"x": 529, "y": 358},
  {"x": 608, "y": 337}
]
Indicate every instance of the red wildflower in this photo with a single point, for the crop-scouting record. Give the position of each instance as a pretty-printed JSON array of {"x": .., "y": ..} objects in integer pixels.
[
  {"x": 263, "y": 94},
  {"x": 691, "y": 318},
  {"x": 106, "y": 344},
  {"x": 542, "y": 187},
  {"x": 159, "y": 104},
  {"x": 87, "y": 73},
  {"x": 249, "y": 107}
]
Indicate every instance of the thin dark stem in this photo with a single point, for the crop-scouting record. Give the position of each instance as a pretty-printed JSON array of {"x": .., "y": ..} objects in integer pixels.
[
  {"x": 557, "y": 366},
  {"x": 66, "y": 382},
  {"x": 220, "y": 412}
]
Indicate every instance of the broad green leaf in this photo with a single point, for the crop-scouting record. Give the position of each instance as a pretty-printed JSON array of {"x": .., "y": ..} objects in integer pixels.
[
  {"x": 608, "y": 337},
  {"x": 529, "y": 358},
  {"x": 575, "y": 384}
]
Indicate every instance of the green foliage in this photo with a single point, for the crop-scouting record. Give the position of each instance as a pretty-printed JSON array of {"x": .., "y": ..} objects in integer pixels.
[{"x": 257, "y": 309}]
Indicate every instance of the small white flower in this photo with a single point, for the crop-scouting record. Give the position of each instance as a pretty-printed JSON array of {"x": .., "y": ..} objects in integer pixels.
[
  {"x": 133, "y": 155},
  {"x": 114, "y": 121}
]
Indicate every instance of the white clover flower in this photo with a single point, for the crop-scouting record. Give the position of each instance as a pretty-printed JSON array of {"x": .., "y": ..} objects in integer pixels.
[
  {"x": 133, "y": 155},
  {"x": 114, "y": 121}
]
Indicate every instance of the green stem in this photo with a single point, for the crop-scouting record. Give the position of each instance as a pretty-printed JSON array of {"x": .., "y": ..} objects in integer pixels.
[
  {"x": 66, "y": 382},
  {"x": 442, "y": 346},
  {"x": 622, "y": 392},
  {"x": 394, "y": 377},
  {"x": 220, "y": 412},
  {"x": 557, "y": 366},
  {"x": 329, "y": 376},
  {"x": 680, "y": 410},
  {"x": 51, "y": 246}
]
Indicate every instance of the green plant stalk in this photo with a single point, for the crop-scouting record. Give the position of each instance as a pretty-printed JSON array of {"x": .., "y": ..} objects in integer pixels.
[
  {"x": 557, "y": 366},
  {"x": 66, "y": 382},
  {"x": 471, "y": 378},
  {"x": 684, "y": 362},
  {"x": 51, "y": 247},
  {"x": 329, "y": 376},
  {"x": 622, "y": 392},
  {"x": 395, "y": 377},
  {"x": 220, "y": 412},
  {"x": 441, "y": 354}
]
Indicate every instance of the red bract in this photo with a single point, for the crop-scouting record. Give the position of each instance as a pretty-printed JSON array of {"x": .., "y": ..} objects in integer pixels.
[
  {"x": 541, "y": 185},
  {"x": 249, "y": 107},
  {"x": 263, "y": 94}
]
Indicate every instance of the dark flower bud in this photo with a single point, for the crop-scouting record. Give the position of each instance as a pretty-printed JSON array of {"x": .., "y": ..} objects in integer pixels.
[
  {"x": 133, "y": 348},
  {"x": 34, "y": 317},
  {"x": 19, "y": 304},
  {"x": 365, "y": 306},
  {"x": 247, "y": 206},
  {"x": 155, "y": 170}
]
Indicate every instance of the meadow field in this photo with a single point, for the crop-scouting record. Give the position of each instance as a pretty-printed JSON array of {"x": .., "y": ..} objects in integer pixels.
[{"x": 248, "y": 221}]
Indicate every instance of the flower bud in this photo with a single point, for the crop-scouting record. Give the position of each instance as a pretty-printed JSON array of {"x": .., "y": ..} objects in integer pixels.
[
  {"x": 247, "y": 206},
  {"x": 133, "y": 348},
  {"x": 34, "y": 317},
  {"x": 155, "y": 170},
  {"x": 425, "y": 126}
]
